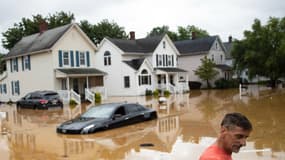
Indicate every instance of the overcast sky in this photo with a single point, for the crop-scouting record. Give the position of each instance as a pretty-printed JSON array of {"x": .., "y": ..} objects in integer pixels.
[{"x": 218, "y": 17}]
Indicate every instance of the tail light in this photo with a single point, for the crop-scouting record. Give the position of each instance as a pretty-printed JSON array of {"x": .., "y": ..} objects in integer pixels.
[{"x": 43, "y": 101}]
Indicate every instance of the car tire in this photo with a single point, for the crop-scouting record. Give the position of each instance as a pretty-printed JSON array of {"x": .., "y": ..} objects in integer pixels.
[{"x": 35, "y": 107}]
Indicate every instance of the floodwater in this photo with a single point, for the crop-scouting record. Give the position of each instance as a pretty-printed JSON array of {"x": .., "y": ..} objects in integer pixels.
[{"x": 187, "y": 124}]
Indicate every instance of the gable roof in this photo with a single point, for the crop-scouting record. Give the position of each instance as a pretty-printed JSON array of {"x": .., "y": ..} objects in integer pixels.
[
  {"x": 196, "y": 46},
  {"x": 135, "y": 63},
  {"x": 37, "y": 42},
  {"x": 228, "y": 47},
  {"x": 144, "y": 45}
]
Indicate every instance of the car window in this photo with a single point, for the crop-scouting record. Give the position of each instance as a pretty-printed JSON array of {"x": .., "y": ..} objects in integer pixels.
[
  {"x": 121, "y": 111},
  {"x": 28, "y": 96},
  {"x": 98, "y": 112},
  {"x": 51, "y": 95},
  {"x": 132, "y": 108}
]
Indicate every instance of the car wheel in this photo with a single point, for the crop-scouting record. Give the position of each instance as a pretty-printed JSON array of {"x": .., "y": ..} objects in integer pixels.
[
  {"x": 35, "y": 107},
  {"x": 18, "y": 106}
]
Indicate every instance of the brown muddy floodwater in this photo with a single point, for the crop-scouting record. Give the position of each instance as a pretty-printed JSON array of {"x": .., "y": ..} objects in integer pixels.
[{"x": 187, "y": 124}]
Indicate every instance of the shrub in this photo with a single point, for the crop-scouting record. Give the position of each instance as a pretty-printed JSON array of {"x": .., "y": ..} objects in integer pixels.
[
  {"x": 155, "y": 93},
  {"x": 148, "y": 92},
  {"x": 166, "y": 93},
  {"x": 223, "y": 84},
  {"x": 10, "y": 102},
  {"x": 72, "y": 102},
  {"x": 98, "y": 98}
]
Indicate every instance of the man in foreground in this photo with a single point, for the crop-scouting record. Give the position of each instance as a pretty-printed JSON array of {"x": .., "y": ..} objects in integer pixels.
[{"x": 235, "y": 128}]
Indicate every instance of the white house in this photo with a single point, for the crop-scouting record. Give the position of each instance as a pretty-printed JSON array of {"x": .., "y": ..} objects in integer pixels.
[
  {"x": 136, "y": 65},
  {"x": 60, "y": 59},
  {"x": 192, "y": 51}
]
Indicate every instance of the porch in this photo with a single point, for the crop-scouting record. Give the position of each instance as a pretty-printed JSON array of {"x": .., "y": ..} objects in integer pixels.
[
  {"x": 80, "y": 84},
  {"x": 174, "y": 80}
]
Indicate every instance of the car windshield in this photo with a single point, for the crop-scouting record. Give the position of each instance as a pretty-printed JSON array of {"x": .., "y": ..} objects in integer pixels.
[{"x": 98, "y": 112}]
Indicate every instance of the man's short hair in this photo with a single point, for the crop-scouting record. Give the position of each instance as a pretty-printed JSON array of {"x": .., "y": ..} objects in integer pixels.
[{"x": 236, "y": 119}]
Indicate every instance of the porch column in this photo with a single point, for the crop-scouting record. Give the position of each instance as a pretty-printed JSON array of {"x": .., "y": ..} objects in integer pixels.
[
  {"x": 167, "y": 81},
  {"x": 67, "y": 85},
  {"x": 87, "y": 82}
]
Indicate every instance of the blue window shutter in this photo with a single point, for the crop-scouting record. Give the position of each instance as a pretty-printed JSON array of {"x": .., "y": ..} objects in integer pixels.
[
  {"x": 60, "y": 58},
  {"x": 23, "y": 63},
  {"x": 72, "y": 58},
  {"x": 11, "y": 66},
  {"x": 17, "y": 64},
  {"x": 29, "y": 62},
  {"x": 87, "y": 58},
  {"x": 4, "y": 88},
  {"x": 18, "y": 86},
  {"x": 77, "y": 58},
  {"x": 12, "y": 84}
]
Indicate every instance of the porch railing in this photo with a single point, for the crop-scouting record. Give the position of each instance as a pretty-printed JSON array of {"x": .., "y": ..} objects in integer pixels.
[
  {"x": 75, "y": 96},
  {"x": 64, "y": 95},
  {"x": 101, "y": 90},
  {"x": 89, "y": 95}
]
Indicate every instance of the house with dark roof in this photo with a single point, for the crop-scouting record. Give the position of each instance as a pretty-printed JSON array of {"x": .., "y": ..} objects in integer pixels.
[
  {"x": 193, "y": 50},
  {"x": 136, "y": 65},
  {"x": 59, "y": 59}
]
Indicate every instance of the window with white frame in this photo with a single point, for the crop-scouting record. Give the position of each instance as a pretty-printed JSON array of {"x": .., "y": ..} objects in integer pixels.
[
  {"x": 15, "y": 64},
  {"x": 82, "y": 58},
  {"x": 164, "y": 45},
  {"x": 127, "y": 81},
  {"x": 65, "y": 58},
  {"x": 27, "y": 63},
  {"x": 144, "y": 78},
  {"x": 221, "y": 58},
  {"x": 213, "y": 57},
  {"x": 15, "y": 87},
  {"x": 107, "y": 58}
]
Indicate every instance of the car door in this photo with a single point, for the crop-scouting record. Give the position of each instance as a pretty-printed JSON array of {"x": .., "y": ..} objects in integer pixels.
[
  {"x": 134, "y": 114},
  {"x": 119, "y": 118}
]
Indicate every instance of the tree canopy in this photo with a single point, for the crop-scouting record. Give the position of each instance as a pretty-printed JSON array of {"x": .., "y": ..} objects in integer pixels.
[
  {"x": 206, "y": 70},
  {"x": 30, "y": 26},
  {"x": 183, "y": 33},
  {"x": 262, "y": 51}
]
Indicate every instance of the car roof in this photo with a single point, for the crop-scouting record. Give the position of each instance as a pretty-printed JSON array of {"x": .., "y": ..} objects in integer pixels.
[{"x": 43, "y": 92}]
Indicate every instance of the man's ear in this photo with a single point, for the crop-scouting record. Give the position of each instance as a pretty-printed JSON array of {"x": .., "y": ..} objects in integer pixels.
[{"x": 223, "y": 129}]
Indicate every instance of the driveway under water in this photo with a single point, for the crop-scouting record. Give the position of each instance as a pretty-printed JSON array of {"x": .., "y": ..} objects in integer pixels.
[{"x": 187, "y": 124}]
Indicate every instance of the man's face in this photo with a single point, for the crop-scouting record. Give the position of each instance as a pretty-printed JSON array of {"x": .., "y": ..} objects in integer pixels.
[{"x": 234, "y": 138}]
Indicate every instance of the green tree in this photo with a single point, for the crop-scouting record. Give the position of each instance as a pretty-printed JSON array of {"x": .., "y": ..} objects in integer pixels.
[
  {"x": 184, "y": 33},
  {"x": 206, "y": 71},
  {"x": 262, "y": 51},
  {"x": 2, "y": 64},
  {"x": 157, "y": 31},
  {"x": 107, "y": 29},
  {"x": 30, "y": 26}
]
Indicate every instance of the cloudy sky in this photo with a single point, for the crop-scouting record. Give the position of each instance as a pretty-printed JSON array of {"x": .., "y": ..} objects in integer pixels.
[{"x": 218, "y": 17}]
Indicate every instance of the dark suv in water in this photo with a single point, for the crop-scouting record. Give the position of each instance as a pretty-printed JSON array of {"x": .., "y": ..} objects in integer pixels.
[{"x": 40, "y": 100}]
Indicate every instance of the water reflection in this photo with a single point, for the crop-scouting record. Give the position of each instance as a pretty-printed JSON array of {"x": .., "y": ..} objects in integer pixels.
[{"x": 187, "y": 124}]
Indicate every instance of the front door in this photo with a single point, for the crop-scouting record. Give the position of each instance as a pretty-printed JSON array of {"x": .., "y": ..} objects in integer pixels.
[{"x": 75, "y": 85}]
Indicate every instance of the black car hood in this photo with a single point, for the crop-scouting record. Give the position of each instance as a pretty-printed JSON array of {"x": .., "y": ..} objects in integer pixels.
[{"x": 80, "y": 123}]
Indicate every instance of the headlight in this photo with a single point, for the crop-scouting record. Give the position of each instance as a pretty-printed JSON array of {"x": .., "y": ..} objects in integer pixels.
[{"x": 86, "y": 129}]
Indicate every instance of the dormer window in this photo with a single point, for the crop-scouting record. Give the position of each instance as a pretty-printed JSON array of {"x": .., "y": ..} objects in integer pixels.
[{"x": 107, "y": 58}]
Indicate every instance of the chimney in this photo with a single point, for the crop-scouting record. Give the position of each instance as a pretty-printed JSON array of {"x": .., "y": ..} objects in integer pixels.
[
  {"x": 43, "y": 26},
  {"x": 230, "y": 39},
  {"x": 193, "y": 35},
  {"x": 132, "y": 35}
]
